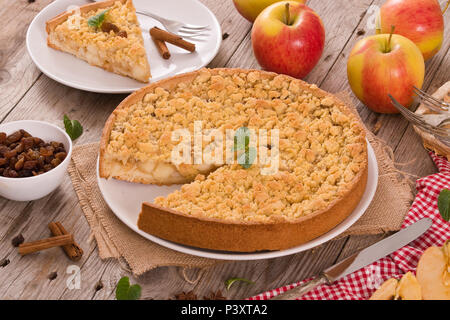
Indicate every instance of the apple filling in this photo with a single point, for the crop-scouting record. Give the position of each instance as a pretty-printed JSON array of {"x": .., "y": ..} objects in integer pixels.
[
  {"x": 153, "y": 171},
  {"x": 116, "y": 45}
]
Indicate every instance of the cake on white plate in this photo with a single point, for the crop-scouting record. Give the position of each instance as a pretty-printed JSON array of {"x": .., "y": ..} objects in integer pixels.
[{"x": 105, "y": 34}]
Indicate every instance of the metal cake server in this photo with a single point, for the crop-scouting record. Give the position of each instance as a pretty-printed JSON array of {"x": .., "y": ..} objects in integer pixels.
[{"x": 360, "y": 259}]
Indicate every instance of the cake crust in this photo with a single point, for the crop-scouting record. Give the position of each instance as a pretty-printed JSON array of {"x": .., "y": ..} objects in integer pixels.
[
  {"x": 215, "y": 234},
  {"x": 144, "y": 68},
  {"x": 242, "y": 236}
]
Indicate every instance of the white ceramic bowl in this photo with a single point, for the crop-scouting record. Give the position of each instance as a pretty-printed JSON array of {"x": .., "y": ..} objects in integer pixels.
[{"x": 36, "y": 187}]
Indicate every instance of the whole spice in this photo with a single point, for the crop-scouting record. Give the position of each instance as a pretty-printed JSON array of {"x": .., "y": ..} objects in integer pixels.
[
  {"x": 186, "y": 296},
  {"x": 17, "y": 240},
  {"x": 162, "y": 48},
  {"x": 98, "y": 285},
  {"x": 172, "y": 38},
  {"x": 73, "y": 250},
  {"x": 52, "y": 276},
  {"x": 4, "y": 262},
  {"x": 35, "y": 246},
  {"x": 215, "y": 296}
]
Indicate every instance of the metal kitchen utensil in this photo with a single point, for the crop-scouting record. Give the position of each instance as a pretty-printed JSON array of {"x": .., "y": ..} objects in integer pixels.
[{"x": 360, "y": 259}]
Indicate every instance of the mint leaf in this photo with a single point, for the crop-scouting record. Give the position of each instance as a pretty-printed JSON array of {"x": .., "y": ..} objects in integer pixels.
[
  {"x": 241, "y": 138},
  {"x": 126, "y": 292},
  {"x": 73, "y": 128},
  {"x": 122, "y": 288},
  {"x": 444, "y": 204},
  {"x": 246, "y": 158},
  {"x": 230, "y": 282},
  {"x": 97, "y": 20},
  {"x": 134, "y": 293}
]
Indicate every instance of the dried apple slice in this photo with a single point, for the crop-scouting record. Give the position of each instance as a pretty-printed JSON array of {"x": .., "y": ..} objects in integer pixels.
[
  {"x": 386, "y": 291},
  {"x": 433, "y": 273},
  {"x": 408, "y": 288}
]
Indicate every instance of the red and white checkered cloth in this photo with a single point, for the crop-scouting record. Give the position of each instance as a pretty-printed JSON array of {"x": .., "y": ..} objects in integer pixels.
[{"x": 361, "y": 284}]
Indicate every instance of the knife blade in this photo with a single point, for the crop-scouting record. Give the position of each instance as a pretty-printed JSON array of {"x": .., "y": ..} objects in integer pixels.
[{"x": 361, "y": 259}]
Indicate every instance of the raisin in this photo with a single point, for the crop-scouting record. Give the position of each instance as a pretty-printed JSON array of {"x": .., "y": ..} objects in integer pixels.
[
  {"x": 29, "y": 165},
  {"x": 108, "y": 26},
  {"x": 17, "y": 240},
  {"x": 22, "y": 155},
  {"x": 19, "y": 164},
  {"x": 14, "y": 137},
  {"x": 123, "y": 34},
  {"x": 61, "y": 156}
]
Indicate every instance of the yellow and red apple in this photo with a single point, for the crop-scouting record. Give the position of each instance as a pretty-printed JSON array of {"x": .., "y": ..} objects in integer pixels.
[
  {"x": 250, "y": 9},
  {"x": 385, "y": 64},
  {"x": 421, "y": 21},
  {"x": 288, "y": 37}
]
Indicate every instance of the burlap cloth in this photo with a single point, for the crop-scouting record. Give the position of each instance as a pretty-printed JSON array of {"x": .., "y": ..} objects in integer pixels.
[{"x": 115, "y": 240}]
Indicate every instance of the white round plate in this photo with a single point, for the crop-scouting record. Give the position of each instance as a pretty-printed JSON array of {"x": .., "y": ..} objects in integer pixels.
[
  {"x": 125, "y": 199},
  {"x": 76, "y": 73}
]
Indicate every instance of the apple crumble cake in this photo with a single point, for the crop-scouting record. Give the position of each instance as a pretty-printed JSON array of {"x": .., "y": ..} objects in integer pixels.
[
  {"x": 105, "y": 34},
  {"x": 322, "y": 153}
]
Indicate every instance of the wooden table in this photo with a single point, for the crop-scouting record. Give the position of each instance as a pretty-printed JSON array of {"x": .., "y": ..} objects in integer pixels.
[{"x": 28, "y": 94}]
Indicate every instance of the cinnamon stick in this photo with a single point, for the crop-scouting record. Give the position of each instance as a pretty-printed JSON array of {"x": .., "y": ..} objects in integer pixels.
[
  {"x": 73, "y": 250},
  {"x": 172, "y": 38},
  {"x": 35, "y": 246},
  {"x": 162, "y": 48}
]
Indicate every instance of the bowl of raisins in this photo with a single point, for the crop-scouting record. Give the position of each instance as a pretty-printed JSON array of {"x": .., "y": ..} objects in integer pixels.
[{"x": 34, "y": 156}]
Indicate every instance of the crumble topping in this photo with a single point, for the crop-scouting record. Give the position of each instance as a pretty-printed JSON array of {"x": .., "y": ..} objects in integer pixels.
[
  {"x": 321, "y": 149},
  {"x": 106, "y": 47}
]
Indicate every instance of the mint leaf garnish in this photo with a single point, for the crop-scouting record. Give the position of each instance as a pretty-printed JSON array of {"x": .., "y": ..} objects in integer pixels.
[
  {"x": 229, "y": 282},
  {"x": 444, "y": 204},
  {"x": 242, "y": 143},
  {"x": 241, "y": 139},
  {"x": 73, "y": 128},
  {"x": 126, "y": 292},
  {"x": 247, "y": 158},
  {"x": 97, "y": 20}
]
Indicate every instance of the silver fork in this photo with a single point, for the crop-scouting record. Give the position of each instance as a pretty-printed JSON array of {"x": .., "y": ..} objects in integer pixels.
[
  {"x": 184, "y": 30},
  {"x": 441, "y": 129},
  {"x": 434, "y": 104}
]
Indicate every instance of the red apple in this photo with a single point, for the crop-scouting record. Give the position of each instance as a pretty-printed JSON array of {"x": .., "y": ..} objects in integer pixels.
[
  {"x": 250, "y": 9},
  {"x": 421, "y": 21},
  {"x": 385, "y": 64},
  {"x": 288, "y": 37}
]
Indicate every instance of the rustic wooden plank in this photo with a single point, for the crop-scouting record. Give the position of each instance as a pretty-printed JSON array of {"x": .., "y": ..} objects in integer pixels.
[
  {"x": 232, "y": 24},
  {"x": 17, "y": 71},
  {"x": 393, "y": 127},
  {"x": 417, "y": 160},
  {"x": 358, "y": 243},
  {"x": 165, "y": 283},
  {"x": 92, "y": 110},
  {"x": 24, "y": 277},
  {"x": 340, "y": 19}
]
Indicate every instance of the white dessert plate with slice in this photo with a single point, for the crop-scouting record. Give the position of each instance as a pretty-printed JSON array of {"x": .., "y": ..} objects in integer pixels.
[
  {"x": 73, "y": 72},
  {"x": 125, "y": 199}
]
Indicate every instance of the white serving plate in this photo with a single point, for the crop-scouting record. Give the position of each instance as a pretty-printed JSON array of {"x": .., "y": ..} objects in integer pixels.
[
  {"x": 125, "y": 199},
  {"x": 73, "y": 72}
]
